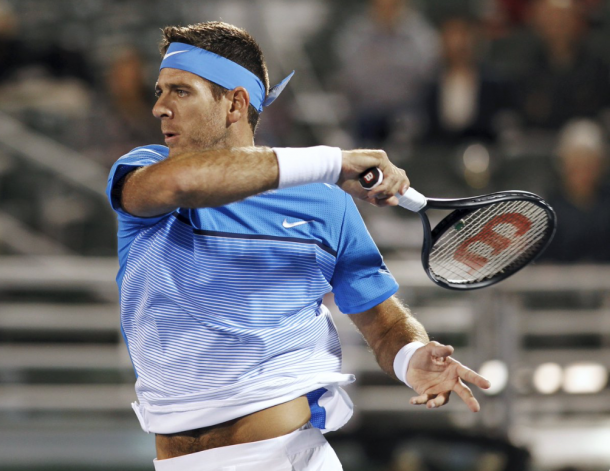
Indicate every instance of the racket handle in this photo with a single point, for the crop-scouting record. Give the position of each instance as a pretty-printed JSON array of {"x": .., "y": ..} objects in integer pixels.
[
  {"x": 371, "y": 178},
  {"x": 412, "y": 200}
]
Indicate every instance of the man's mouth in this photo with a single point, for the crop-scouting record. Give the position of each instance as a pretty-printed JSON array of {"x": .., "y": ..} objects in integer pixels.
[{"x": 170, "y": 136}]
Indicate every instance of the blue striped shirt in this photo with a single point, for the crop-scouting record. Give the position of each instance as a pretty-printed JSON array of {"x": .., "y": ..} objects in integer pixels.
[{"x": 221, "y": 308}]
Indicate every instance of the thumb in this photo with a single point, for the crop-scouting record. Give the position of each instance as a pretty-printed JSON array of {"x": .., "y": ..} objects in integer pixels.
[{"x": 441, "y": 351}]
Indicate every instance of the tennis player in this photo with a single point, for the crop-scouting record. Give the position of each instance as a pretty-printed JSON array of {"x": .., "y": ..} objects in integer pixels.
[{"x": 226, "y": 251}]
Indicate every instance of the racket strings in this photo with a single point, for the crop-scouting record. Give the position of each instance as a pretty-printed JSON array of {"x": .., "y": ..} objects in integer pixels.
[
  {"x": 489, "y": 241},
  {"x": 477, "y": 260},
  {"x": 480, "y": 260},
  {"x": 473, "y": 223},
  {"x": 474, "y": 272}
]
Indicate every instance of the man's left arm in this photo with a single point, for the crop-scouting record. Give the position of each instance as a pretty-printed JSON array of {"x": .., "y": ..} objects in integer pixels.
[{"x": 432, "y": 372}]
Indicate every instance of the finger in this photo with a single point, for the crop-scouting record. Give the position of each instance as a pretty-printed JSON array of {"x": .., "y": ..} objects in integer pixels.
[
  {"x": 404, "y": 188},
  {"x": 466, "y": 395},
  {"x": 381, "y": 202},
  {"x": 391, "y": 201},
  {"x": 470, "y": 376},
  {"x": 391, "y": 186},
  {"x": 355, "y": 189},
  {"x": 402, "y": 181},
  {"x": 440, "y": 400},
  {"x": 394, "y": 180},
  {"x": 441, "y": 351},
  {"x": 383, "y": 191},
  {"x": 398, "y": 184},
  {"x": 382, "y": 199},
  {"x": 386, "y": 190},
  {"x": 424, "y": 360},
  {"x": 421, "y": 399}
]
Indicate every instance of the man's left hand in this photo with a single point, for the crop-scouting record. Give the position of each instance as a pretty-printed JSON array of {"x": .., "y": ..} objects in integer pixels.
[{"x": 433, "y": 374}]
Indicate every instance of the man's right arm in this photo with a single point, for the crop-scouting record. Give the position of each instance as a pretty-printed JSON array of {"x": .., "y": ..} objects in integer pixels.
[
  {"x": 199, "y": 179},
  {"x": 221, "y": 176}
]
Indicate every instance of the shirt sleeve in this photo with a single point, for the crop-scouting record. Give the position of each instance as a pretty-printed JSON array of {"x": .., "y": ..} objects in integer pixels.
[
  {"x": 139, "y": 157},
  {"x": 361, "y": 280}
]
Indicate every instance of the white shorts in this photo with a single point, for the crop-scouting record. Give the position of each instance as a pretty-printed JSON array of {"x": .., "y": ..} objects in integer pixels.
[{"x": 305, "y": 449}]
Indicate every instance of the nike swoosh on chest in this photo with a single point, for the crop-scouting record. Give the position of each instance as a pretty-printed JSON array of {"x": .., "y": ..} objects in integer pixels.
[{"x": 289, "y": 225}]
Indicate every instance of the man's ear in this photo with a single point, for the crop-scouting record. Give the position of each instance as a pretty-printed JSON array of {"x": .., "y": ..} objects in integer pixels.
[{"x": 239, "y": 102}]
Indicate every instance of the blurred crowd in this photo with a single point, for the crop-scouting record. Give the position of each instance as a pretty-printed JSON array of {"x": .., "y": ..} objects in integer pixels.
[
  {"x": 468, "y": 96},
  {"x": 510, "y": 93},
  {"x": 453, "y": 81},
  {"x": 518, "y": 80}
]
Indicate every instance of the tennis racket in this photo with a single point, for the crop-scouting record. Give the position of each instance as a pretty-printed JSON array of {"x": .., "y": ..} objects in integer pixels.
[{"x": 484, "y": 240}]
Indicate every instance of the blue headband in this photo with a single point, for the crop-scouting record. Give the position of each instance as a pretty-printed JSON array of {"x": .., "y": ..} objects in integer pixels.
[{"x": 221, "y": 71}]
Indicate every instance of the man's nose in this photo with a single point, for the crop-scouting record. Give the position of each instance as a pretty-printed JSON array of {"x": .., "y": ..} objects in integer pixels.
[{"x": 161, "y": 110}]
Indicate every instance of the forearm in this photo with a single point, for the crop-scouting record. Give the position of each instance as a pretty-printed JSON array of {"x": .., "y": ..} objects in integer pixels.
[
  {"x": 200, "y": 179},
  {"x": 228, "y": 175},
  {"x": 221, "y": 176},
  {"x": 387, "y": 328}
]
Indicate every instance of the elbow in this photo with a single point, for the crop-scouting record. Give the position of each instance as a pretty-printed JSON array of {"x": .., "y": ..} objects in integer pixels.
[{"x": 144, "y": 194}]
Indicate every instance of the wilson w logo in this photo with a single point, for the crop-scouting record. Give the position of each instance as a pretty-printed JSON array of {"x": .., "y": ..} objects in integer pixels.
[{"x": 491, "y": 238}]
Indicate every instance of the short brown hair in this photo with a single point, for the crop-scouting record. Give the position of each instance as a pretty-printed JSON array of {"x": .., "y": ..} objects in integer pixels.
[{"x": 227, "y": 41}]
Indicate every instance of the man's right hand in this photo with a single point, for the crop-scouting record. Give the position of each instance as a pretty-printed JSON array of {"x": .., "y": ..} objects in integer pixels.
[{"x": 355, "y": 162}]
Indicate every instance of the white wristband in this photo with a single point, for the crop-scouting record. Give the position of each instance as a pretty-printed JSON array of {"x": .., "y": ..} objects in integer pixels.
[
  {"x": 402, "y": 359},
  {"x": 300, "y": 166}
]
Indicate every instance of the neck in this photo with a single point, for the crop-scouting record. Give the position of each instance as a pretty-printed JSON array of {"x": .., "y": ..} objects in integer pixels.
[
  {"x": 389, "y": 20},
  {"x": 245, "y": 139},
  {"x": 226, "y": 142},
  {"x": 460, "y": 68},
  {"x": 234, "y": 140}
]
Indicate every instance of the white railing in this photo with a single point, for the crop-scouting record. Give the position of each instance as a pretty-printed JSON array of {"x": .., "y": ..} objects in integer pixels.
[
  {"x": 46, "y": 153},
  {"x": 494, "y": 322}
]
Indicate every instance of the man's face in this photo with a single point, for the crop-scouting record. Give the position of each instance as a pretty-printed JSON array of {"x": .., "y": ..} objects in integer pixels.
[
  {"x": 558, "y": 21},
  {"x": 583, "y": 169},
  {"x": 191, "y": 119}
]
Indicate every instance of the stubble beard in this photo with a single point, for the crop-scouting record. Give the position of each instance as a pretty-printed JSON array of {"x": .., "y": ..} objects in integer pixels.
[{"x": 210, "y": 134}]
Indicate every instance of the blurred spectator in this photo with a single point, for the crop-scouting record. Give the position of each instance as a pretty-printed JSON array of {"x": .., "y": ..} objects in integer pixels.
[
  {"x": 466, "y": 97},
  {"x": 564, "y": 80},
  {"x": 13, "y": 53},
  {"x": 501, "y": 17},
  {"x": 514, "y": 11},
  {"x": 49, "y": 87},
  {"x": 18, "y": 60},
  {"x": 387, "y": 56},
  {"x": 583, "y": 202},
  {"x": 124, "y": 118}
]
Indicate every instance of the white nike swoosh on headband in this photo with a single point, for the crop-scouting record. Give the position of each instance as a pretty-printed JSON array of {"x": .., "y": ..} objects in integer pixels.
[{"x": 172, "y": 53}]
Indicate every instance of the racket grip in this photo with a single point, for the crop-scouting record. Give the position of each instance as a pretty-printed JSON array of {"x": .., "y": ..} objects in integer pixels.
[{"x": 412, "y": 200}]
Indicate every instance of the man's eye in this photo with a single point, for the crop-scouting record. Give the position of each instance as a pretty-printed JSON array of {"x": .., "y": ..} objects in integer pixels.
[
  {"x": 181, "y": 93},
  {"x": 157, "y": 93}
]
